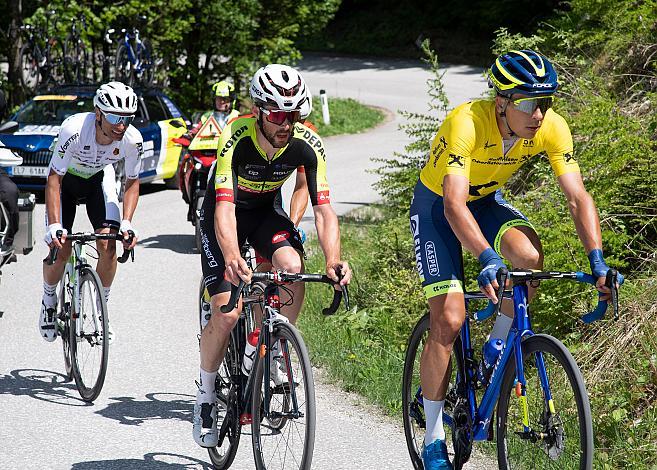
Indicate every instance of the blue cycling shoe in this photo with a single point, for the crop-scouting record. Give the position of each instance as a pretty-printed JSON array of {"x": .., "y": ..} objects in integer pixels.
[{"x": 434, "y": 456}]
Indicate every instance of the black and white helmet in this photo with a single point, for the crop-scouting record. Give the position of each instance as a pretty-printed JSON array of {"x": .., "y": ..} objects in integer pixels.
[
  {"x": 280, "y": 87},
  {"x": 115, "y": 97}
]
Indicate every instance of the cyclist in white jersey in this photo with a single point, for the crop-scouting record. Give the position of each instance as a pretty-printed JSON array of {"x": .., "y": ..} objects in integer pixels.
[{"x": 81, "y": 170}]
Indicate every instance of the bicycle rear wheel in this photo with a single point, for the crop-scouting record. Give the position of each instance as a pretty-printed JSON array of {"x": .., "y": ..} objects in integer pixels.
[
  {"x": 30, "y": 75},
  {"x": 89, "y": 342},
  {"x": 285, "y": 439},
  {"x": 561, "y": 431},
  {"x": 65, "y": 306},
  {"x": 123, "y": 66},
  {"x": 412, "y": 400},
  {"x": 228, "y": 414}
]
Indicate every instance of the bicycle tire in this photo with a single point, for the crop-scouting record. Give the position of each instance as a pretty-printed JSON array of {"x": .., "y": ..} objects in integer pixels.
[
  {"x": 302, "y": 376},
  {"x": 228, "y": 394},
  {"x": 124, "y": 69},
  {"x": 145, "y": 58},
  {"x": 65, "y": 305},
  {"x": 84, "y": 331},
  {"x": 30, "y": 74},
  {"x": 559, "y": 430},
  {"x": 413, "y": 412}
]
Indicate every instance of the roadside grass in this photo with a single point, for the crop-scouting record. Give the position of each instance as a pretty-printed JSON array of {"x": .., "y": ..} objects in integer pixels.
[{"x": 348, "y": 116}]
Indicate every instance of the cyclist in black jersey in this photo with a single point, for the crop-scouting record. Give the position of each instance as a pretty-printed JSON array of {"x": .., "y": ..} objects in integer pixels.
[{"x": 255, "y": 156}]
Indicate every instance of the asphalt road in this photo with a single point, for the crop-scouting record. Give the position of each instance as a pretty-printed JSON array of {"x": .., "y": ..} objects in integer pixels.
[{"x": 142, "y": 418}]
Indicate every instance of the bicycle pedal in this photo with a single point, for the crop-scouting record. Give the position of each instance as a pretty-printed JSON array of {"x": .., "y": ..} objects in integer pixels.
[{"x": 246, "y": 418}]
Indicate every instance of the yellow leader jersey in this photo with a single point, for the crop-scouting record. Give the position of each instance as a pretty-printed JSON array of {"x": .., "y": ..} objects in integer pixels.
[{"x": 469, "y": 143}]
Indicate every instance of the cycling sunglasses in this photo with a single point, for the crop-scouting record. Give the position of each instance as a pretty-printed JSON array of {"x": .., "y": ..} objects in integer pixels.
[
  {"x": 278, "y": 117},
  {"x": 116, "y": 119},
  {"x": 529, "y": 105}
]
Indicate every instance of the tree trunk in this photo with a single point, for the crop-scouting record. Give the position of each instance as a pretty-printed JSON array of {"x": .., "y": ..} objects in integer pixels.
[{"x": 16, "y": 92}]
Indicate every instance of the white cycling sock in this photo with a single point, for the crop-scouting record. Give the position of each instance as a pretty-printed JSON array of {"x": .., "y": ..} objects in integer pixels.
[
  {"x": 106, "y": 290},
  {"x": 433, "y": 412},
  {"x": 501, "y": 327},
  {"x": 49, "y": 295},
  {"x": 207, "y": 384}
]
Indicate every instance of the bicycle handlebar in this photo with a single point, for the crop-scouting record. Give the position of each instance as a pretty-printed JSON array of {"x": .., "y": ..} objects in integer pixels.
[
  {"x": 89, "y": 237},
  {"x": 523, "y": 276},
  {"x": 283, "y": 277}
]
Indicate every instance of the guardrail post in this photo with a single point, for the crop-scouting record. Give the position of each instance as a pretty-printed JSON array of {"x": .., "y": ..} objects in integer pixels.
[{"x": 325, "y": 109}]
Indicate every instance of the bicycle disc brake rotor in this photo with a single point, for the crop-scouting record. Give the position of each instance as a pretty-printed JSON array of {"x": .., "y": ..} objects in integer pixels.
[{"x": 462, "y": 435}]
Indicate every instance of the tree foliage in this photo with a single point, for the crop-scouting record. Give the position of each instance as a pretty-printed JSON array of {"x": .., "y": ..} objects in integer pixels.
[{"x": 200, "y": 41}]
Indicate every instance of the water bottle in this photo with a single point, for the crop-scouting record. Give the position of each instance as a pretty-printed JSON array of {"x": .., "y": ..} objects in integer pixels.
[
  {"x": 250, "y": 351},
  {"x": 491, "y": 352}
]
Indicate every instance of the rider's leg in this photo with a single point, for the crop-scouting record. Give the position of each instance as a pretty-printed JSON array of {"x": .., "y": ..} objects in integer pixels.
[
  {"x": 522, "y": 248},
  {"x": 288, "y": 259},
  {"x": 214, "y": 339},
  {"x": 106, "y": 266},
  {"x": 447, "y": 313}
]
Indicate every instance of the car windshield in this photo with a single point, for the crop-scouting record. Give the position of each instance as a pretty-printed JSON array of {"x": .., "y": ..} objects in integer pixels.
[{"x": 53, "y": 109}]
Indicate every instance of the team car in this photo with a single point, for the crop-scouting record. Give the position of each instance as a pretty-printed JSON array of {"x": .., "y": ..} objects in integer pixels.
[{"x": 39, "y": 120}]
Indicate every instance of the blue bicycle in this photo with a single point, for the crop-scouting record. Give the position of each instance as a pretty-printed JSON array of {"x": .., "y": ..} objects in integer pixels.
[
  {"x": 134, "y": 59},
  {"x": 543, "y": 410}
]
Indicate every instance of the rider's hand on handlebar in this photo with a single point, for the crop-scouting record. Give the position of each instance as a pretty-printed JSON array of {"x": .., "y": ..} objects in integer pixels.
[
  {"x": 342, "y": 267},
  {"x": 599, "y": 271},
  {"x": 51, "y": 235},
  {"x": 487, "y": 280},
  {"x": 129, "y": 235},
  {"x": 237, "y": 269}
]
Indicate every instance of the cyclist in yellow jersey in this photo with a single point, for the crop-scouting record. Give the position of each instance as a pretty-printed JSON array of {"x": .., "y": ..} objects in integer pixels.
[{"x": 458, "y": 202}]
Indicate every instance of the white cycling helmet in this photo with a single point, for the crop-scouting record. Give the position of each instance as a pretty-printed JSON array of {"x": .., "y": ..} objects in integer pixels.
[
  {"x": 278, "y": 86},
  {"x": 115, "y": 97}
]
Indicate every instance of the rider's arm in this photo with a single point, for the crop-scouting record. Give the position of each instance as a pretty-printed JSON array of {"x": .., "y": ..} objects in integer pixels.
[
  {"x": 328, "y": 235},
  {"x": 130, "y": 198},
  {"x": 52, "y": 194},
  {"x": 461, "y": 220},
  {"x": 583, "y": 210},
  {"x": 299, "y": 200},
  {"x": 132, "y": 164}
]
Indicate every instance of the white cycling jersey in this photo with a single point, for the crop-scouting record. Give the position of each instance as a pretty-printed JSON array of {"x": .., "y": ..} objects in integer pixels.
[{"x": 77, "y": 152}]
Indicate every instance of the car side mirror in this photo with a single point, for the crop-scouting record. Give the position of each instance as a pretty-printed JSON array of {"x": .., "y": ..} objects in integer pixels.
[
  {"x": 176, "y": 123},
  {"x": 9, "y": 127}
]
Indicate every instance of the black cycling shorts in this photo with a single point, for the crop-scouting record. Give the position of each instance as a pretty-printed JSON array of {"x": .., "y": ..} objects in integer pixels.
[
  {"x": 100, "y": 198},
  {"x": 267, "y": 229}
]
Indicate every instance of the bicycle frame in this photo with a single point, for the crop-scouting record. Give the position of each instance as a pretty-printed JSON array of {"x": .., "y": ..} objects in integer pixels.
[
  {"x": 520, "y": 328},
  {"x": 133, "y": 52}
]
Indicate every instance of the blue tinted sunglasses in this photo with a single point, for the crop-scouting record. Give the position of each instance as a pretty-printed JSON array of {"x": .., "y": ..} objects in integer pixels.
[{"x": 116, "y": 119}]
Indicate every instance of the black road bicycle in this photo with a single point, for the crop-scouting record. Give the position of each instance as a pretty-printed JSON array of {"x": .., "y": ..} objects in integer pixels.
[{"x": 282, "y": 416}]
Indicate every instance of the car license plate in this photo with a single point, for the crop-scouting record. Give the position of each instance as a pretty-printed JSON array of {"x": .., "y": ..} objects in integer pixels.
[{"x": 39, "y": 171}]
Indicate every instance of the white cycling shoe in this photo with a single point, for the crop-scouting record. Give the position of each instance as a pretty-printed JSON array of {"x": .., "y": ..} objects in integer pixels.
[
  {"x": 47, "y": 324},
  {"x": 205, "y": 420}
]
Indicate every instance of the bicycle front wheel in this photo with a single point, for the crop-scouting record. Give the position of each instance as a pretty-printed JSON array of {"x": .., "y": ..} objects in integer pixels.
[
  {"x": 123, "y": 65},
  {"x": 89, "y": 341},
  {"x": 551, "y": 427},
  {"x": 284, "y": 437},
  {"x": 30, "y": 75}
]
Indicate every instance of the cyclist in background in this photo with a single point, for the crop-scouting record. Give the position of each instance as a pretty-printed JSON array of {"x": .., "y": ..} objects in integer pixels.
[
  {"x": 87, "y": 146},
  {"x": 458, "y": 202},
  {"x": 8, "y": 198},
  {"x": 254, "y": 158}
]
